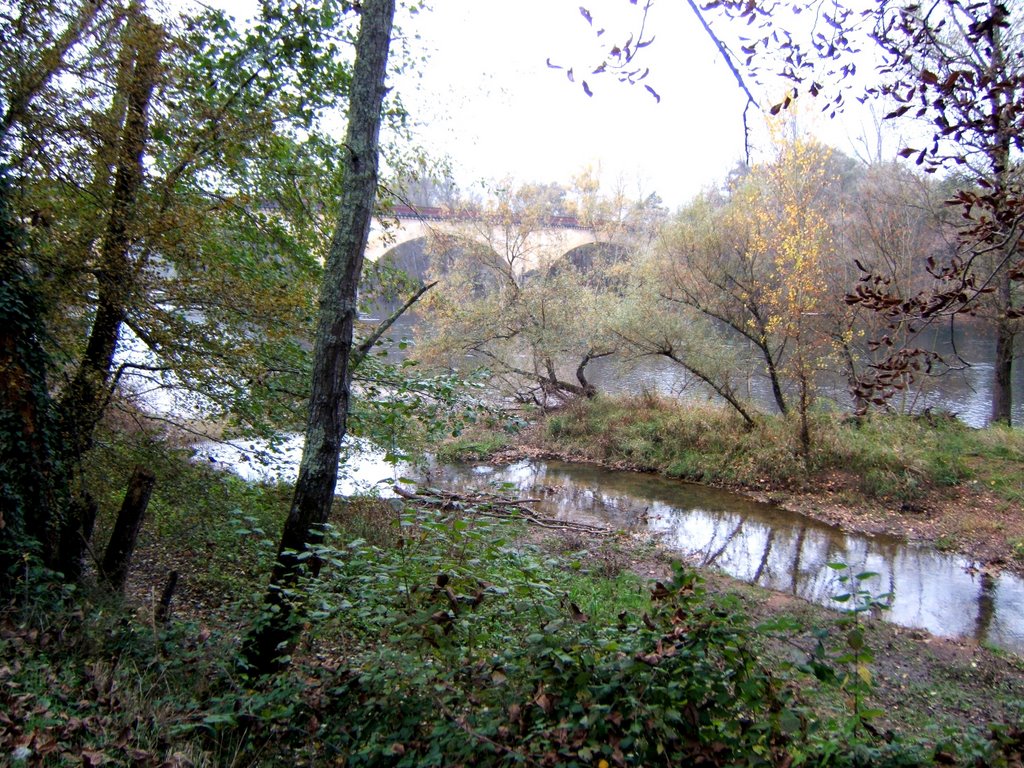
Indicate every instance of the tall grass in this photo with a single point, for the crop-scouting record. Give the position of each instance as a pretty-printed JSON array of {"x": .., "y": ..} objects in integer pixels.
[{"x": 892, "y": 457}]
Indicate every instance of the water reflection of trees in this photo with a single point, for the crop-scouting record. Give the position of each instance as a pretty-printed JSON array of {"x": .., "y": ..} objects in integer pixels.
[{"x": 760, "y": 544}]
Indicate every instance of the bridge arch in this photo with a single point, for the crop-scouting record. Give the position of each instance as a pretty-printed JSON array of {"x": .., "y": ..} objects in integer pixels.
[
  {"x": 411, "y": 256},
  {"x": 586, "y": 256},
  {"x": 392, "y": 235}
]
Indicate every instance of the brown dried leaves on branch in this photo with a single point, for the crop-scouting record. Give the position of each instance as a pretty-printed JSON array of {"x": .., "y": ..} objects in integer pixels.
[{"x": 619, "y": 57}]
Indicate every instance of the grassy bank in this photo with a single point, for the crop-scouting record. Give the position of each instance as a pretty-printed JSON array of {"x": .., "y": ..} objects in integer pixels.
[
  {"x": 892, "y": 457},
  {"x": 927, "y": 477},
  {"x": 447, "y": 638}
]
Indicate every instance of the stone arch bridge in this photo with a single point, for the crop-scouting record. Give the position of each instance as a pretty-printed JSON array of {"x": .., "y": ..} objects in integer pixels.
[{"x": 556, "y": 238}]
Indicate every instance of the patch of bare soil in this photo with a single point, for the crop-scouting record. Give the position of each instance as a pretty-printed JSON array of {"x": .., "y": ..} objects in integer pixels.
[{"x": 921, "y": 682}]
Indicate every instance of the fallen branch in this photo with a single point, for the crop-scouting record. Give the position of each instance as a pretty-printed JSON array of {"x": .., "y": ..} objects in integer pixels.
[{"x": 493, "y": 505}]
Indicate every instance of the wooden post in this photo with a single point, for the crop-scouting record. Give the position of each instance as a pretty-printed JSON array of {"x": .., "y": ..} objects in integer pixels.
[
  {"x": 162, "y": 614},
  {"x": 118, "y": 556}
]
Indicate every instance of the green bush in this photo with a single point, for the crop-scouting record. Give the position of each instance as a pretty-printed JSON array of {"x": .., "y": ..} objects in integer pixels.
[
  {"x": 472, "y": 448},
  {"x": 445, "y": 643}
]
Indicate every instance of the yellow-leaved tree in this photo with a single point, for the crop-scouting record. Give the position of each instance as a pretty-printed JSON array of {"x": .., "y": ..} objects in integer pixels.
[
  {"x": 791, "y": 204},
  {"x": 747, "y": 282}
]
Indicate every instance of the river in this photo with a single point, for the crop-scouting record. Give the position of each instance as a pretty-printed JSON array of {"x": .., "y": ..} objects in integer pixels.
[
  {"x": 964, "y": 389},
  {"x": 942, "y": 593}
]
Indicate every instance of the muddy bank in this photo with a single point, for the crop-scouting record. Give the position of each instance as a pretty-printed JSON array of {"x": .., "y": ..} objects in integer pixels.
[{"x": 965, "y": 519}]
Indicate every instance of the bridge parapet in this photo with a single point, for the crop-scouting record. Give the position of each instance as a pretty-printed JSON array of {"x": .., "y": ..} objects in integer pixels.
[{"x": 437, "y": 213}]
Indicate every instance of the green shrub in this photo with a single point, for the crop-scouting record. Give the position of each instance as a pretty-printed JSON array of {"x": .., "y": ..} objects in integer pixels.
[
  {"x": 472, "y": 447},
  {"x": 680, "y": 684}
]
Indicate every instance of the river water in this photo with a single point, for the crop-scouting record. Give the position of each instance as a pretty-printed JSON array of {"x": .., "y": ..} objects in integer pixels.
[
  {"x": 942, "y": 593},
  {"x": 964, "y": 388}
]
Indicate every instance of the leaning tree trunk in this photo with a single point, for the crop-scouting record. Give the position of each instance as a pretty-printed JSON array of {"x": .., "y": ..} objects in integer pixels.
[
  {"x": 266, "y": 648},
  {"x": 86, "y": 396},
  {"x": 118, "y": 556},
  {"x": 83, "y": 401}
]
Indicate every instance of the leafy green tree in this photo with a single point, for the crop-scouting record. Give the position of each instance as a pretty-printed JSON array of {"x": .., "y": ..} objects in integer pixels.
[
  {"x": 707, "y": 263},
  {"x": 649, "y": 324},
  {"x": 170, "y": 172}
]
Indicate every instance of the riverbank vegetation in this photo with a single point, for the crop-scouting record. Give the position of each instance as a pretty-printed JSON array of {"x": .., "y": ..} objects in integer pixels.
[
  {"x": 894, "y": 458},
  {"x": 169, "y": 270},
  {"x": 927, "y": 477},
  {"x": 438, "y": 637}
]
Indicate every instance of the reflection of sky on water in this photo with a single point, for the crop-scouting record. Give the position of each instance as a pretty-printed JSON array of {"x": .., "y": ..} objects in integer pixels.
[
  {"x": 363, "y": 468},
  {"x": 760, "y": 543},
  {"x": 965, "y": 390}
]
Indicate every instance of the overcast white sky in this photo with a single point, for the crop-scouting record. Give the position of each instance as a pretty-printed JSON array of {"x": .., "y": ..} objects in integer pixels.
[{"x": 486, "y": 97}]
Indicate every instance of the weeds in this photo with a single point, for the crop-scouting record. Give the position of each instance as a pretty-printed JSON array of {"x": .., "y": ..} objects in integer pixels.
[
  {"x": 893, "y": 457},
  {"x": 472, "y": 447},
  {"x": 437, "y": 638}
]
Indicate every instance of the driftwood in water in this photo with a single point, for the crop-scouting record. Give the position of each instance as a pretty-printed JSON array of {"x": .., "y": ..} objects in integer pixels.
[
  {"x": 493, "y": 505},
  {"x": 118, "y": 555}
]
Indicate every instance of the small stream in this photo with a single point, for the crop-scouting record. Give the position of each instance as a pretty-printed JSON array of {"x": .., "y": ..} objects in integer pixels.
[
  {"x": 942, "y": 593},
  {"x": 765, "y": 545}
]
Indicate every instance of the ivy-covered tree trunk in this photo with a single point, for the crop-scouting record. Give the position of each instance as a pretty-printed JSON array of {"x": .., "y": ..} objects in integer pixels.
[
  {"x": 266, "y": 648},
  {"x": 31, "y": 480}
]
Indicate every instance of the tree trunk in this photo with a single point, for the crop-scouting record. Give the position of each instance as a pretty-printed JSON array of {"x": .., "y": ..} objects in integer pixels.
[
  {"x": 118, "y": 556},
  {"x": 999, "y": 156},
  {"x": 771, "y": 360},
  {"x": 75, "y": 533},
  {"x": 773, "y": 375},
  {"x": 267, "y": 646},
  {"x": 82, "y": 403},
  {"x": 31, "y": 478},
  {"x": 805, "y": 406},
  {"x": 589, "y": 390},
  {"x": 723, "y": 391},
  {"x": 162, "y": 612},
  {"x": 1002, "y": 374}
]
